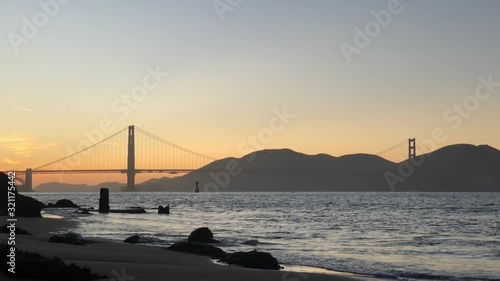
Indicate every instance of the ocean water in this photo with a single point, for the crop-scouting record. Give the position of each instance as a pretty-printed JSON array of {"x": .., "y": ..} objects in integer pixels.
[{"x": 405, "y": 236}]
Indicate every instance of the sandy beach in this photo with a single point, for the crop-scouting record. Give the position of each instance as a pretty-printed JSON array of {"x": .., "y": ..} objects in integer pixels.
[{"x": 135, "y": 262}]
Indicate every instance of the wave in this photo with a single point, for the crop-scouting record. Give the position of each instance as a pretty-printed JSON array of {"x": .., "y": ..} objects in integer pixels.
[
  {"x": 151, "y": 240},
  {"x": 393, "y": 236},
  {"x": 413, "y": 276}
]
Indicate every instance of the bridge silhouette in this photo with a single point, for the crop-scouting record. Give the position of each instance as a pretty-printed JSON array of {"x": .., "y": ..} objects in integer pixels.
[{"x": 117, "y": 154}]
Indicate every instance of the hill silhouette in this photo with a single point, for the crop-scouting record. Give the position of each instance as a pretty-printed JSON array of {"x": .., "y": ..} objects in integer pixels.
[
  {"x": 458, "y": 168},
  {"x": 453, "y": 168},
  {"x": 283, "y": 170},
  {"x": 461, "y": 167}
]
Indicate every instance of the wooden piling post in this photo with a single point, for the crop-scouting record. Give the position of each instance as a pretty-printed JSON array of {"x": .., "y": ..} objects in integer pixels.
[{"x": 104, "y": 201}]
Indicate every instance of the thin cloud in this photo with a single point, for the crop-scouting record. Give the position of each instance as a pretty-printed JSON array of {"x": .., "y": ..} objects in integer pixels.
[
  {"x": 18, "y": 107},
  {"x": 21, "y": 146},
  {"x": 11, "y": 162}
]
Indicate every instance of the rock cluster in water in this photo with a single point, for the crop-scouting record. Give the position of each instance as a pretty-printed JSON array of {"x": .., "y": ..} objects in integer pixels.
[
  {"x": 202, "y": 235},
  {"x": 198, "y": 244},
  {"x": 252, "y": 259},
  {"x": 63, "y": 203}
]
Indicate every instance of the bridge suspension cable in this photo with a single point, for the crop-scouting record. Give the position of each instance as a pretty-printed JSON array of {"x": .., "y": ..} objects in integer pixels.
[
  {"x": 399, "y": 151},
  {"x": 174, "y": 145},
  {"x": 110, "y": 155},
  {"x": 65, "y": 159},
  {"x": 391, "y": 148},
  {"x": 423, "y": 147}
]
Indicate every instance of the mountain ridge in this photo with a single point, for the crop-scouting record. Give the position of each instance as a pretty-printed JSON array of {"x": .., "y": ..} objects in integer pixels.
[{"x": 460, "y": 167}]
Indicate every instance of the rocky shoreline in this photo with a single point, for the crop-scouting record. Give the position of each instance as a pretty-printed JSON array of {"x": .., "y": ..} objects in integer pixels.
[
  {"x": 69, "y": 256},
  {"x": 145, "y": 263}
]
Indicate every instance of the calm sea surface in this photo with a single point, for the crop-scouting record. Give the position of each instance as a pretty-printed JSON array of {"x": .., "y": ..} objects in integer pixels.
[{"x": 409, "y": 236}]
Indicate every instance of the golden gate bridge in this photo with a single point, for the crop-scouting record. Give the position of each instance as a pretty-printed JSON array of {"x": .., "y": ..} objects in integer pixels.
[{"x": 117, "y": 154}]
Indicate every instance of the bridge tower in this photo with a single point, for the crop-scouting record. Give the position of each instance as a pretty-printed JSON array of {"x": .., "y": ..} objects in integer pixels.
[
  {"x": 28, "y": 181},
  {"x": 412, "y": 148},
  {"x": 131, "y": 159}
]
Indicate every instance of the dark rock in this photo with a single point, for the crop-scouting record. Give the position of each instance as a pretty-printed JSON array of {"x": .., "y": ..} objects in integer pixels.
[
  {"x": 198, "y": 249},
  {"x": 162, "y": 210},
  {"x": 251, "y": 242},
  {"x": 25, "y": 206},
  {"x": 201, "y": 235},
  {"x": 132, "y": 239},
  {"x": 63, "y": 203},
  {"x": 84, "y": 212},
  {"x": 31, "y": 265},
  {"x": 69, "y": 238},
  {"x": 129, "y": 211},
  {"x": 28, "y": 207},
  {"x": 19, "y": 231},
  {"x": 253, "y": 259}
]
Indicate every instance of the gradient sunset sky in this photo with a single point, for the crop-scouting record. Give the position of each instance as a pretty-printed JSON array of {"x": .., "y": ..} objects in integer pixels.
[{"x": 227, "y": 75}]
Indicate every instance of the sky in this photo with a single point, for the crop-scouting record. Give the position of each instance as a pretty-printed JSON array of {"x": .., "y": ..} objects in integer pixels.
[{"x": 357, "y": 76}]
